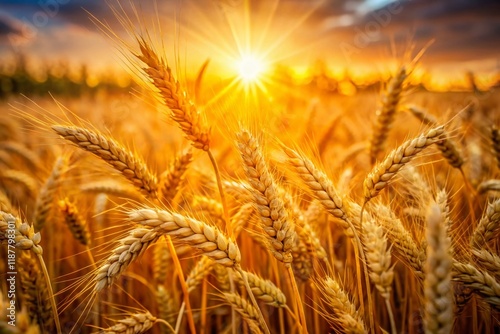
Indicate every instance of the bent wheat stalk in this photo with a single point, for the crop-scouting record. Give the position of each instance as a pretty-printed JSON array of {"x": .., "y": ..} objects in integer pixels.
[{"x": 183, "y": 110}]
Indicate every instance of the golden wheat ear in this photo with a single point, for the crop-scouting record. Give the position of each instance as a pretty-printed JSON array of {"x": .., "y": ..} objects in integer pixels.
[
  {"x": 385, "y": 116},
  {"x": 107, "y": 149}
]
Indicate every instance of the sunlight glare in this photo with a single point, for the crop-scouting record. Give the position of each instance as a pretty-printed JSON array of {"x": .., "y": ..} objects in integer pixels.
[{"x": 250, "y": 68}]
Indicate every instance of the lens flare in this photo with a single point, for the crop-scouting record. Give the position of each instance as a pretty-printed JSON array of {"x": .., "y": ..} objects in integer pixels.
[{"x": 250, "y": 68}]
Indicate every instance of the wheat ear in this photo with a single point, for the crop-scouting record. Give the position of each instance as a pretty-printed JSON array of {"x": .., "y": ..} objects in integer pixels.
[
  {"x": 479, "y": 281},
  {"x": 184, "y": 112},
  {"x": 382, "y": 174},
  {"x": 171, "y": 179},
  {"x": 345, "y": 316},
  {"x": 278, "y": 227},
  {"x": 437, "y": 284},
  {"x": 166, "y": 306},
  {"x": 133, "y": 168},
  {"x": 447, "y": 147},
  {"x": 35, "y": 293},
  {"x": 75, "y": 222},
  {"x": 378, "y": 257},
  {"x": 323, "y": 190},
  {"x": 422, "y": 115},
  {"x": 21, "y": 178},
  {"x": 246, "y": 310},
  {"x": 111, "y": 187},
  {"x": 5, "y": 204},
  {"x": 26, "y": 239},
  {"x": 265, "y": 290},
  {"x": 156, "y": 223},
  {"x": 134, "y": 324},
  {"x": 45, "y": 198},
  {"x": 385, "y": 115},
  {"x": 401, "y": 239},
  {"x": 270, "y": 206},
  {"x": 28, "y": 156},
  {"x": 488, "y": 261},
  {"x": 487, "y": 227},
  {"x": 488, "y": 185}
]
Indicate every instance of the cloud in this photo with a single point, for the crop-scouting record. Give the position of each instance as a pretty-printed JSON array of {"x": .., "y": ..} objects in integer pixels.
[
  {"x": 8, "y": 26},
  {"x": 462, "y": 29}
]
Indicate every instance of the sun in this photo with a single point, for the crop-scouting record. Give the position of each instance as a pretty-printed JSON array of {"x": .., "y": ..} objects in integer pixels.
[{"x": 250, "y": 68}]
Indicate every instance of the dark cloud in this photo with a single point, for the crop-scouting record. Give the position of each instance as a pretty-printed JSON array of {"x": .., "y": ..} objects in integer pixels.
[
  {"x": 462, "y": 29},
  {"x": 8, "y": 25}
]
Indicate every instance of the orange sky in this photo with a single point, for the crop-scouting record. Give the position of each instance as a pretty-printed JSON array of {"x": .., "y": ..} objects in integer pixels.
[{"x": 362, "y": 35}]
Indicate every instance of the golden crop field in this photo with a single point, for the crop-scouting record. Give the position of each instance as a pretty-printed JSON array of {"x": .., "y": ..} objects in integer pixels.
[{"x": 269, "y": 202}]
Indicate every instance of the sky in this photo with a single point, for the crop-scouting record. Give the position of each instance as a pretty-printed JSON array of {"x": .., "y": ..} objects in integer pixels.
[{"x": 356, "y": 34}]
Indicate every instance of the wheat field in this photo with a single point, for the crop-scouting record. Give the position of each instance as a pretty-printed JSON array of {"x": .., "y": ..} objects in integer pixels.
[{"x": 160, "y": 212}]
